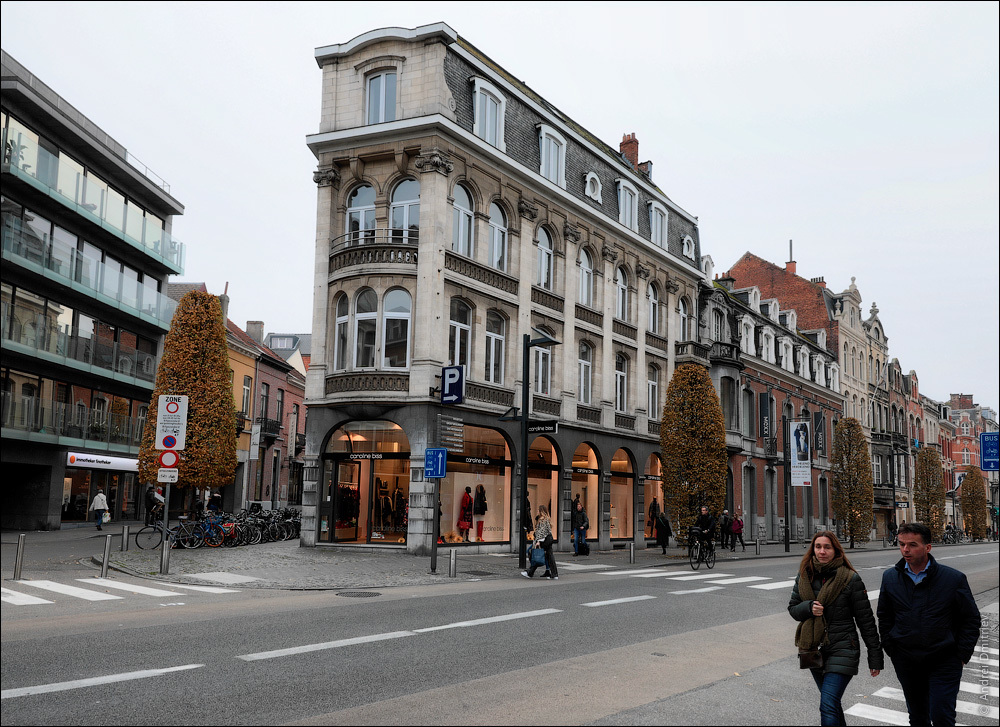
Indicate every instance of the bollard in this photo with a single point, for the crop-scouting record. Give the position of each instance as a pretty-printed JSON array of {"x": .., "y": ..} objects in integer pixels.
[
  {"x": 758, "y": 546},
  {"x": 107, "y": 556},
  {"x": 883, "y": 541},
  {"x": 124, "y": 538},
  {"x": 453, "y": 563},
  {"x": 165, "y": 548},
  {"x": 631, "y": 553},
  {"x": 19, "y": 558}
]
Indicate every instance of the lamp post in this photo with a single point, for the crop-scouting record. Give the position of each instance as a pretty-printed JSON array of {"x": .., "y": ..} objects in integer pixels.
[{"x": 527, "y": 343}]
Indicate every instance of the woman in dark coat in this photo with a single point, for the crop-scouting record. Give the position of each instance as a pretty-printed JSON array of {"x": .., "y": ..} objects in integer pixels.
[
  {"x": 828, "y": 599},
  {"x": 663, "y": 533}
]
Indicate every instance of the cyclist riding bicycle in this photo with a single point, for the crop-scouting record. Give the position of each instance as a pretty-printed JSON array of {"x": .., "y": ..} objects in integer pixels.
[{"x": 706, "y": 524}]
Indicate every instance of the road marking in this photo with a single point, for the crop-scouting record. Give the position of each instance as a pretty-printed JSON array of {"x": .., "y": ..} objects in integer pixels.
[
  {"x": 872, "y": 595},
  {"x": 489, "y": 620},
  {"x": 879, "y": 714},
  {"x": 131, "y": 588},
  {"x": 978, "y": 689},
  {"x": 20, "y": 599},
  {"x": 983, "y": 673},
  {"x": 624, "y": 572},
  {"x": 656, "y": 574},
  {"x": 222, "y": 577},
  {"x": 73, "y": 591},
  {"x": 987, "y": 650},
  {"x": 960, "y": 706},
  {"x": 992, "y": 608},
  {"x": 595, "y": 604},
  {"x": 701, "y": 577},
  {"x": 583, "y": 566},
  {"x": 700, "y": 590},
  {"x": 773, "y": 586},
  {"x": 93, "y": 681},
  {"x": 324, "y": 646},
  {"x": 203, "y": 589},
  {"x": 744, "y": 579}
]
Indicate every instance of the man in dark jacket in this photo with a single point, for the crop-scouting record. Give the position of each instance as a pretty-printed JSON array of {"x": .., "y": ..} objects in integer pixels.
[
  {"x": 707, "y": 525},
  {"x": 929, "y": 624}
]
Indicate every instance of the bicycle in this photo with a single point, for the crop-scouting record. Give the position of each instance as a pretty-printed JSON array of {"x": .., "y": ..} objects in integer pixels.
[
  {"x": 699, "y": 552},
  {"x": 150, "y": 537}
]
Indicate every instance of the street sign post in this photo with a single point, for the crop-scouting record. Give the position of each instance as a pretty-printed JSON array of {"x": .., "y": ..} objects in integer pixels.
[
  {"x": 435, "y": 463},
  {"x": 452, "y": 384},
  {"x": 171, "y": 421},
  {"x": 989, "y": 451},
  {"x": 167, "y": 475}
]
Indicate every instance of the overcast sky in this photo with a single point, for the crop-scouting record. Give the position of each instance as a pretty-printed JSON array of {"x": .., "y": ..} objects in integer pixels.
[{"x": 867, "y": 133}]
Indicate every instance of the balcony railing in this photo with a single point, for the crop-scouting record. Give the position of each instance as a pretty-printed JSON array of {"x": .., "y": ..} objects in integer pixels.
[
  {"x": 480, "y": 273},
  {"x": 268, "y": 427},
  {"x": 67, "y": 265},
  {"x": 35, "y": 416},
  {"x": 25, "y": 159},
  {"x": 373, "y": 247}
]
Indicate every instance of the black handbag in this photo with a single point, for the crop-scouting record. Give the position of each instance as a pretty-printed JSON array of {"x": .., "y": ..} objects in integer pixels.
[{"x": 810, "y": 659}]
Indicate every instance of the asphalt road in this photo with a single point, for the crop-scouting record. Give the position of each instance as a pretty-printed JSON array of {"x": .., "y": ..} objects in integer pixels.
[{"x": 614, "y": 646}]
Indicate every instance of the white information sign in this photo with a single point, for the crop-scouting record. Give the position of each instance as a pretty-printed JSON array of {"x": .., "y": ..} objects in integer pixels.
[
  {"x": 166, "y": 474},
  {"x": 171, "y": 421},
  {"x": 801, "y": 455}
]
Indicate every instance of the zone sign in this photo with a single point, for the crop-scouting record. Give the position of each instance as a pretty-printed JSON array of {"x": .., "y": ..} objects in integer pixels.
[{"x": 171, "y": 421}]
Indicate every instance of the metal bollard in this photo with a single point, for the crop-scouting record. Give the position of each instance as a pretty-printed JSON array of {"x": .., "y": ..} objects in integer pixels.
[
  {"x": 453, "y": 563},
  {"x": 124, "y": 538},
  {"x": 631, "y": 553},
  {"x": 165, "y": 548},
  {"x": 107, "y": 556},
  {"x": 19, "y": 558},
  {"x": 883, "y": 542},
  {"x": 758, "y": 545}
]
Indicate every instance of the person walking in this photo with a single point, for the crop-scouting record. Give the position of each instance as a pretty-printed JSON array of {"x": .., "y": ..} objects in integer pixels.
[
  {"x": 150, "y": 501},
  {"x": 663, "y": 531},
  {"x": 725, "y": 522},
  {"x": 930, "y": 625},
  {"x": 543, "y": 540},
  {"x": 580, "y": 523},
  {"x": 99, "y": 506},
  {"x": 828, "y": 599},
  {"x": 736, "y": 531}
]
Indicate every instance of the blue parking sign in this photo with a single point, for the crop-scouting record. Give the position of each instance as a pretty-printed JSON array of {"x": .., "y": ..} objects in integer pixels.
[{"x": 435, "y": 462}]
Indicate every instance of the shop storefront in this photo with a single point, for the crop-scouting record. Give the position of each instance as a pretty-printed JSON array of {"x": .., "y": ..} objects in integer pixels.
[
  {"x": 622, "y": 525},
  {"x": 86, "y": 473},
  {"x": 652, "y": 494},
  {"x": 586, "y": 485},
  {"x": 482, "y": 472},
  {"x": 543, "y": 481}
]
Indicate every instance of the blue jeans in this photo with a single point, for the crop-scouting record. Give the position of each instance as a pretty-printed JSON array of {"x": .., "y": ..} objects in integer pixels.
[
  {"x": 581, "y": 537},
  {"x": 831, "y": 690},
  {"x": 930, "y": 687}
]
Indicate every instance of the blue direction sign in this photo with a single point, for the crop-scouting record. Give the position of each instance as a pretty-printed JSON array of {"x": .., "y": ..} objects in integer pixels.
[
  {"x": 989, "y": 451},
  {"x": 435, "y": 462},
  {"x": 452, "y": 384}
]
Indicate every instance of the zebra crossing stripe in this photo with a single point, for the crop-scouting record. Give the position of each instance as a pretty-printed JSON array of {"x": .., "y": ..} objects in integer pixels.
[
  {"x": 772, "y": 586},
  {"x": 879, "y": 714},
  {"x": 698, "y": 590},
  {"x": 978, "y": 689},
  {"x": 130, "y": 587},
  {"x": 744, "y": 579},
  {"x": 960, "y": 706},
  {"x": 20, "y": 599},
  {"x": 203, "y": 589},
  {"x": 702, "y": 577},
  {"x": 73, "y": 591}
]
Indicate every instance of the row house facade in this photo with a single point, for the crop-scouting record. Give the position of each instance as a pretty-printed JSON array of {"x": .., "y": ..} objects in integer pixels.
[
  {"x": 87, "y": 251},
  {"x": 970, "y": 420},
  {"x": 460, "y": 215}
]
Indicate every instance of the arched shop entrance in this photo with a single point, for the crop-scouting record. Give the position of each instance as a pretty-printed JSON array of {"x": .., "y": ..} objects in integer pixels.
[
  {"x": 366, "y": 484},
  {"x": 483, "y": 466},
  {"x": 543, "y": 481},
  {"x": 586, "y": 485},
  {"x": 622, "y": 496},
  {"x": 652, "y": 493}
]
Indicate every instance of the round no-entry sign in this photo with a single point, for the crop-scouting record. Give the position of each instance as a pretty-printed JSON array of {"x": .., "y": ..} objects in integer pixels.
[{"x": 169, "y": 458}]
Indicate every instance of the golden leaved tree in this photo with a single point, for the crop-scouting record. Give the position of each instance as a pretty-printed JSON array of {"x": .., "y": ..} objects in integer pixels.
[
  {"x": 195, "y": 363},
  {"x": 693, "y": 443},
  {"x": 974, "y": 511},
  {"x": 853, "y": 490},
  {"x": 928, "y": 492}
]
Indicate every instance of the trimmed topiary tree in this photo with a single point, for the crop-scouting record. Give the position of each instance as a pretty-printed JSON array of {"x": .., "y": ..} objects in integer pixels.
[
  {"x": 693, "y": 443},
  {"x": 974, "y": 511},
  {"x": 928, "y": 492},
  {"x": 853, "y": 489}
]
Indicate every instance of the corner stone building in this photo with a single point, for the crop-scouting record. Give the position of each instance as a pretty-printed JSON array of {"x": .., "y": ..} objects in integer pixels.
[{"x": 458, "y": 212}]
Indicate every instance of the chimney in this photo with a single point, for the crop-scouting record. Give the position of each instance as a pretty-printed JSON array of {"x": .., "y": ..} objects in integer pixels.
[
  {"x": 255, "y": 329},
  {"x": 818, "y": 281},
  {"x": 790, "y": 265},
  {"x": 630, "y": 149},
  {"x": 224, "y": 302},
  {"x": 726, "y": 281},
  {"x": 646, "y": 168}
]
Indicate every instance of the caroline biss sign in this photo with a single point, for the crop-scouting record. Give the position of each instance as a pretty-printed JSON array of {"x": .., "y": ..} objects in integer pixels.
[{"x": 101, "y": 462}]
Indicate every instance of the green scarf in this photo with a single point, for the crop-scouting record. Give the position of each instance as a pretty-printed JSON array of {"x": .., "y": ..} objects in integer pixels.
[{"x": 812, "y": 633}]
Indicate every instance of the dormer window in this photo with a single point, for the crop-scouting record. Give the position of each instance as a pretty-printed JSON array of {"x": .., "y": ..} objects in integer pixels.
[
  {"x": 490, "y": 111},
  {"x": 592, "y": 187},
  {"x": 552, "y": 149},
  {"x": 382, "y": 97},
  {"x": 687, "y": 247},
  {"x": 657, "y": 224},
  {"x": 628, "y": 205}
]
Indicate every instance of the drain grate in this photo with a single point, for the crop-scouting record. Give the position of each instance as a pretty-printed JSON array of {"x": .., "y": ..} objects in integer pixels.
[{"x": 359, "y": 594}]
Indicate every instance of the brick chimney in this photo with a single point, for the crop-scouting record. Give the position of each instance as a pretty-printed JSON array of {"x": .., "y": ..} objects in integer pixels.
[
  {"x": 630, "y": 149},
  {"x": 790, "y": 266},
  {"x": 255, "y": 329}
]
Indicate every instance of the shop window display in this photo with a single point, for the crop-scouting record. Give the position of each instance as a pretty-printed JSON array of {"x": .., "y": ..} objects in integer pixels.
[
  {"x": 652, "y": 494},
  {"x": 484, "y": 468},
  {"x": 543, "y": 481},
  {"x": 622, "y": 486},
  {"x": 586, "y": 485}
]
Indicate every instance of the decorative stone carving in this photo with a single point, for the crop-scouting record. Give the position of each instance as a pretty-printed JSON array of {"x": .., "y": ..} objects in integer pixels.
[
  {"x": 526, "y": 209},
  {"x": 327, "y": 177},
  {"x": 672, "y": 286},
  {"x": 609, "y": 253},
  {"x": 874, "y": 311},
  {"x": 434, "y": 160},
  {"x": 642, "y": 271},
  {"x": 571, "y": 232}
]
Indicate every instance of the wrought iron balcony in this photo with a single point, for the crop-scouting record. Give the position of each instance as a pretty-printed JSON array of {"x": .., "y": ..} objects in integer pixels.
[{"x": 268, "y": 427}]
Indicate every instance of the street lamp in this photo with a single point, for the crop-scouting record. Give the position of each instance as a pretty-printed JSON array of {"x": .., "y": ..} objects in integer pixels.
[{"x": 527, "y": 343}]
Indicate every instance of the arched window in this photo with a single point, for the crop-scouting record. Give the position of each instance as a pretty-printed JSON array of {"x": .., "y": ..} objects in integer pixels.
[
  {"x": 498, "y": 238},
  {"x": 396, "y": 330},
  {"x": 653, "y": 392},
  {"x": 361, "y": 215},
  {"x": 586, "y": 292},
  {"x": 654, "y": 309},
  {"x": 718, "y": 325},
  {"x": 462, "y": 237},
  {"x": 544, "y": 259},
  {"x": 685, "y": 331},
  {"x": 543, "y": 368},
  {"x": 495, "y": 345},
  {"x": 340, "y": 339},
  {"x": 621, "y": 294},
  {"x": 657, "y": 224},
  {"x": 365, "y": 323},
  {"x": 585, "y": 363},
  {"x": 460, "y": 333},
  {"x": 628, "y": 205},
  {"x": 552, "y": 152},
  {"x": 621, "y": 383},
  {"x": 490, "y": 108},
  {"x": 405, "y": 212}
]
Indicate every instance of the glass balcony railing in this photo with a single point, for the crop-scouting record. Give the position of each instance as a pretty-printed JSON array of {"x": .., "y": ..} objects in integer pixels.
[
  {"x": 65, "y": 181},
  {"x": 69, "y": 266},
  {"x": 32, "y": 415}
]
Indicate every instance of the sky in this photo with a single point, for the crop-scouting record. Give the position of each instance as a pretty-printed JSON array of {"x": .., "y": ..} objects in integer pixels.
[{"x": 867, "y": 133}]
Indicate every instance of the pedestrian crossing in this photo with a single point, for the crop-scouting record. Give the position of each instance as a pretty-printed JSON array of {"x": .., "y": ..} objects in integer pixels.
[{"x": 39, "y": 592}]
